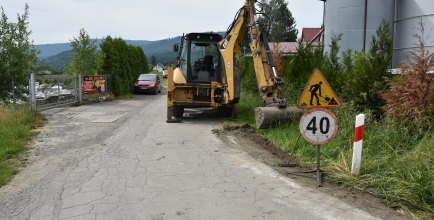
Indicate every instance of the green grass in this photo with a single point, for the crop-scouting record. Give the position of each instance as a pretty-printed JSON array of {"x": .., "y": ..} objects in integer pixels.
[
  {"x": 16, "y": 125},
  {"x": 397, "y": 162}
]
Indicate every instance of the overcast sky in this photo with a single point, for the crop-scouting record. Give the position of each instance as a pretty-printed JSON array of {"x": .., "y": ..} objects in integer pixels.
[{"x": 59, "y": 21}]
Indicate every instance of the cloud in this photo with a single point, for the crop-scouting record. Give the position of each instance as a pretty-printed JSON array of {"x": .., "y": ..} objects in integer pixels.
[{"x": 58, "y": 21}]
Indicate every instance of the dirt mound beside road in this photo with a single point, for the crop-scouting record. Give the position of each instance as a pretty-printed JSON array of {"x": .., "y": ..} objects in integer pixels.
[
  {"x": 247, "y": 132},
  {"x": 246, "y": 138}
]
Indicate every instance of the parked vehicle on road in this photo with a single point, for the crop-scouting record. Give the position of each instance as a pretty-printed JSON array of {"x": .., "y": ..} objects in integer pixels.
[
  {"x": 147, "y": 83},
  {"x": 165, "y": 73}
]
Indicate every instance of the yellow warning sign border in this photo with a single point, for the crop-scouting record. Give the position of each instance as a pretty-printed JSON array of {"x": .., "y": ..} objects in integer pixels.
[{"x": 326, "y": 84}]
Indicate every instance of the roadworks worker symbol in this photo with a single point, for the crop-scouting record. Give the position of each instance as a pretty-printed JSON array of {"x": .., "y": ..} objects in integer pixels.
[{"x": 318, "y": 93}]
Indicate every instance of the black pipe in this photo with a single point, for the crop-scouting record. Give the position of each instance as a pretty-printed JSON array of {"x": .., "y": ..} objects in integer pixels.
[
  {"x": 267, "y": 47},
  {"x": 364, "y": 29},
  {"x": 395, "y": 18},
  {"x": 323, "y": 20}
]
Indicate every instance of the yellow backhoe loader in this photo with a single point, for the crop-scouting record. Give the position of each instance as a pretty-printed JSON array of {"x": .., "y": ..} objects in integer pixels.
[{"x": 207, "y": 73}]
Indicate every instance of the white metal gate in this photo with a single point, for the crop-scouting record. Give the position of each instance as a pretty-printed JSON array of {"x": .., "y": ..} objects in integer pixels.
[{"x": 51, "y": 91}]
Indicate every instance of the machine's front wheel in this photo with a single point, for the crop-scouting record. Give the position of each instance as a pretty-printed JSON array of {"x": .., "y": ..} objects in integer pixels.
[{"x": 177, "y": 111}]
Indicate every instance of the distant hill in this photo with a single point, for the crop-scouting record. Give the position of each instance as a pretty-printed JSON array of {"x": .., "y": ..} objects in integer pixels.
[
  {"x": 54, "y": 49},
  {"x": 57, "y": 60},
  {"x": 55, "y": 54}
]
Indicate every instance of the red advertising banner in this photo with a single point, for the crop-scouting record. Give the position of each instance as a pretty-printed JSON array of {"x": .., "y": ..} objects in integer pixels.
[{"x": 94, "y": 84}]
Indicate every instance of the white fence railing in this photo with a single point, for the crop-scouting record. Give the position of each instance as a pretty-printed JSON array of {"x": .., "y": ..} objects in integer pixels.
[{"x": 52, "y": 91}]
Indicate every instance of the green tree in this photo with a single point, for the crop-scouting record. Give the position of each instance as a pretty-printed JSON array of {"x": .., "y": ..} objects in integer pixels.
[
  {"x": 84, "y": 54},
  {"x": 153, "y": 60},
  {"x": 381, "y": 50},
  {"x": 331, "y": 67},
  {"x": 247, "y": 74},
  {"x": 280, "y": 20},
  {"x": 18, "y": 56},
  {"x": 366, "y": 74},
  {"x": 123, "y": 62},
  {"x": 381, "y": 57},
  {"x": 358, "y": 80},
  {"x": 299, "y": 67}
]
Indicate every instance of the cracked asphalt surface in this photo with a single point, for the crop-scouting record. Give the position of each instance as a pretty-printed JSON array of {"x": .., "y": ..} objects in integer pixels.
[{"x": 121, "y": 160}]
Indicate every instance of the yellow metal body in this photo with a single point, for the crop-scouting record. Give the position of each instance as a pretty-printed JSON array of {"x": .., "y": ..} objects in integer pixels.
[
  {"x": 231, "y": 53},
  {"x": 170, "y": 87},
  {"x": 182, "y": 93},
  {"x": 225, "y": 91}
]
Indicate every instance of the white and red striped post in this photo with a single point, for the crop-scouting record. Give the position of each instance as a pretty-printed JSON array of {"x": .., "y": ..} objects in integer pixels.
[{"x": 358, "y": 141}]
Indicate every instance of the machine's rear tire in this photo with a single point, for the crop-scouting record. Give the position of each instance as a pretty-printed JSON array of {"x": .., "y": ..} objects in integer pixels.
[
  {"x": 235, "y": 114},
  {"x": 225, "y": 112},
  {"x": 177, "y": 111}
]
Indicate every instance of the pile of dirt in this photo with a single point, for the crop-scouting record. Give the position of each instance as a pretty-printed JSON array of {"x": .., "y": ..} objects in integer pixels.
[
  {"x": 245, "y": 131},
  {"x": 262, "y": 149}
]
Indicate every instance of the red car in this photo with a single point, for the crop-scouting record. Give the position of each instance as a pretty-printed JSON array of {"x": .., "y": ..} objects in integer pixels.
[{"x": 147, "y": 83}]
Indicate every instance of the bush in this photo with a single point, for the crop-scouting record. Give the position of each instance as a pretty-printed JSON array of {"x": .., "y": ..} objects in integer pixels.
[
  {"x": 298, "y": 68},
  {"x": 410, "y": 94}
]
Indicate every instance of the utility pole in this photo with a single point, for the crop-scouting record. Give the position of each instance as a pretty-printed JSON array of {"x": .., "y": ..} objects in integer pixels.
[{"x": 323, "y": 20}]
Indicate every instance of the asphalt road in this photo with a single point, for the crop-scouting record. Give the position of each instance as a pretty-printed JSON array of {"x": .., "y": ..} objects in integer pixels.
[{"x": 121, "y": 160}]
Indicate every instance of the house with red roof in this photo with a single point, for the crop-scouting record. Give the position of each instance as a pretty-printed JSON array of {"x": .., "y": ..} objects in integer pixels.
[
  {"x": 307, "y": 34},
  {"x": 290, "y": 48}
]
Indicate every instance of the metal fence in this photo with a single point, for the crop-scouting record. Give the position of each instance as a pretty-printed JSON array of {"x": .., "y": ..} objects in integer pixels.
[{"x": 51, "y": 91}]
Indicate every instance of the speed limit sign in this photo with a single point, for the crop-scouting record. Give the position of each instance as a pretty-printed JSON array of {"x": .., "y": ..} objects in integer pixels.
[{"x": 318, "y": 126}]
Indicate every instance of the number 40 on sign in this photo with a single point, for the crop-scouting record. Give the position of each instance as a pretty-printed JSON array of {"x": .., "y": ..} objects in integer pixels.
[{"x": 318, "y": 126}]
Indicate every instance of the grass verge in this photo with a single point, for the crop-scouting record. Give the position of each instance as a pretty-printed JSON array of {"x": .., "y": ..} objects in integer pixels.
[
  {"x": 16, "y": 130},
  {"x": 396, "y": 162}
]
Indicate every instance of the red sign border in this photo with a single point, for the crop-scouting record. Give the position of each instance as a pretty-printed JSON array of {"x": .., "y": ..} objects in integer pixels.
[{"x": 333, "y": 135}]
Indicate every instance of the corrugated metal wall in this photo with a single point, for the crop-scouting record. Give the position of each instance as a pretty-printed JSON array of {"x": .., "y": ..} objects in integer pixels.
[
  {"x": 358, "y": 20},
  {"x": 407, "y": 15},
  {"x": 356, "y": 24}
]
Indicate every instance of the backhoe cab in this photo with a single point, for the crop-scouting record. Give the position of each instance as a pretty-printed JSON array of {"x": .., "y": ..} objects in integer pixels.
[{"x": 199, "y": 59}]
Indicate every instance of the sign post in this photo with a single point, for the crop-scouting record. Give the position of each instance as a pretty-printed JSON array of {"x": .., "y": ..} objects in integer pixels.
[
  {"x": 318, "y": 125},
  {"x": 318, "y": 162}
]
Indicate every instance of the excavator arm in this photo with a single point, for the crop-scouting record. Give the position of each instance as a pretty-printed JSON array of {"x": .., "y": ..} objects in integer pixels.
[{"x": 269, "y": 83}]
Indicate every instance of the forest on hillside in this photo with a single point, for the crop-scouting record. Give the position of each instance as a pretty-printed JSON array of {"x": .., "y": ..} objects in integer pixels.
[{"x": 161, "y": 50}]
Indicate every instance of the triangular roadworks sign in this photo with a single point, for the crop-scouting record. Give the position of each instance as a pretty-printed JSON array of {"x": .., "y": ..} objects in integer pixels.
[{"x": 318, "y": 93}]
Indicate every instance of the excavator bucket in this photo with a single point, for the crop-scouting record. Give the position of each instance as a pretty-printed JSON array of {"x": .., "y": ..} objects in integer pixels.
[{"x": 269, "y": 117}]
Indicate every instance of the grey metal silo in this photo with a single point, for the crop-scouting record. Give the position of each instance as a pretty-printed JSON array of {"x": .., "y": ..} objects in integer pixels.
[
  {"x": 407, "y": 15},
  {"x": 356, "y": 20}
]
